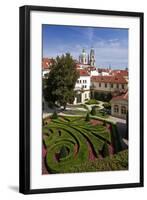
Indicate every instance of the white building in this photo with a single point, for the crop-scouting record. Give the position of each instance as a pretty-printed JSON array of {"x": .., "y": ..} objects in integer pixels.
[{"x": 82, "y": 87}]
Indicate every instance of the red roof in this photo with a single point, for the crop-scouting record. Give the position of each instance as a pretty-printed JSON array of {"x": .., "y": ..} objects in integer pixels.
[
  {"x": 121, "y": 97},
  {"x": 120, "y": 72},
  {"x": 46, "y": 63},
  {"x": 83, "y": 72},
  {"x": 109, "y": 79}
]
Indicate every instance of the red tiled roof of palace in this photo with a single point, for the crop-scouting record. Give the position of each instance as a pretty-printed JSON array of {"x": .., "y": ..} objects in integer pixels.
[
  {"x": 46, "y": 63},
  {"x": 83, "y": 72},
  {"x": 108, "y": 79},
  {"x": 121, "y": 97},
  {"x": 120, "y": 72}
]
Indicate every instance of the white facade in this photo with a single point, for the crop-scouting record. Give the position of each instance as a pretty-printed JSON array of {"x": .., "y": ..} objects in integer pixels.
[
  {"x": 94, "y": 73},
  {"x": 105, "y": 74},
  {"x": 83, "y": 89},
  {"x": 45, "y": 72}
]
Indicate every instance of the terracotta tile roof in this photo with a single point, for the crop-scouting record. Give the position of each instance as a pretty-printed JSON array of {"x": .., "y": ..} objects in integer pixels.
[
  {"x": 121, "y": 97},
  {"x": 120, "y": 72},
  {"x": 83, "y": 72},
  {"x": 109, "y": 79},
  {"x": 46, "y": 63}
]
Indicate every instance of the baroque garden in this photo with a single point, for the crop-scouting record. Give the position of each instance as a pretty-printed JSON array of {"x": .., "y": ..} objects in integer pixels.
[{"x": 84, "y": 127}]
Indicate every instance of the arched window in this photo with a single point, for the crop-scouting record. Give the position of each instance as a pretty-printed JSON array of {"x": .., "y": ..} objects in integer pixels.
[
  {"x": 123, "y": 110},
  {"x": 116, "y": 108}
]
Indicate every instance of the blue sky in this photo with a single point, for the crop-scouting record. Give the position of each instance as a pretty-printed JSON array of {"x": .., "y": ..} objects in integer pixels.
[{"x": 110, "y": 45}]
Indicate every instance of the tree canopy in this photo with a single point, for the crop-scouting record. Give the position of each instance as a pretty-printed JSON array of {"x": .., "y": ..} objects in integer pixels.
[{"x": 61, "y": 81}]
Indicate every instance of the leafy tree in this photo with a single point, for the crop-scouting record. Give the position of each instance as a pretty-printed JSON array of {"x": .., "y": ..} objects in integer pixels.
[
  {"x": 61, "y": 81},
  {"x": 54, "y": 115},
  {"x": 93, "y": 110},
  {"x": 87, "y": 119},
  {"x": 107, "y": 105}
]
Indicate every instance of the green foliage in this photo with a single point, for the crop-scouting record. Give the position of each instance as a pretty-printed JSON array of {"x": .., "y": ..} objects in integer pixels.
[
  {"x": 93, "y": 111},
  {"x": 91, "y": 101},
  {"x": 63, "y": 152},
  {"x": 75, "y": 135},
  {"x": 115, "y": 138},
  {"x": 105, "y": 150},
  {"x": 102, "y": 96},
  {"x": 116, "y": 162},
  {"x": 54, "y": 115},
  {"x": 107, "y": 105},
  {"x": 61, "y": 81},
  {"x": 87, "y": 117}
]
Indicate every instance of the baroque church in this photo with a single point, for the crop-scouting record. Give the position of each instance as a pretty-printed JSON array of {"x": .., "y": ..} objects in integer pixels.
[{"x": 87, "y": 59}]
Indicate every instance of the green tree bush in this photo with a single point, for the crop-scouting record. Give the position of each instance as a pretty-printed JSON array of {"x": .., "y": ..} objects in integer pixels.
[
  {"x": 63, "y": 152},
  {"x": 60, "y": 84},
  {"x": 93, "y": 111},
  {"x": 54, "y": 115},
  {"x": 87, "y": 119},
  {"x": 107, "y": 105},
  {"x": 91, "y": 101}
]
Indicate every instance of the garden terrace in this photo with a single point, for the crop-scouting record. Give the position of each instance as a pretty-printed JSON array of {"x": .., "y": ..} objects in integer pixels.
[{"x": 71, "y": 141}]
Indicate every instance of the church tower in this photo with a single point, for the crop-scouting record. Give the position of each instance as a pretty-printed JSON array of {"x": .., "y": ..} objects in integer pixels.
[
  {"x": 92, "y": 57},
  {"x": 83, "y": 57}
]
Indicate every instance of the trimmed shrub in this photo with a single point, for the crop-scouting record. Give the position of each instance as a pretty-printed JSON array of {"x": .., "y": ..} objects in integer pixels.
[
  {"x": 92, "y": 101},
  {"x": 63, "y": 152},
  {"x": 87, "y": 119},
  {"x": 105, "y": 150},
  {"x": 54, "y": 115},
  {"x": 107, "y": 105},
  {"x": 93, "y": 111}
]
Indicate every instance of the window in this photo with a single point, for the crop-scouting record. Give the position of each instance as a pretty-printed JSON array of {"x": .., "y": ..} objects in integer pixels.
[
  {"x": 117, "y": 86},
  {"x": 99, "y": 84},
  {"x": 85, "y": 81},
  {"x": 77, "y": 81},
  {"x": 116, "y": 109},
  {"x": 123, "y": 110},
  {"x": 111, "y": 85},
  {"x": 105, "y": 85},
  {"x": 123, "y": 87},
  {"x": 80, "y": 81},
  {"x": 85, "y": 96}
]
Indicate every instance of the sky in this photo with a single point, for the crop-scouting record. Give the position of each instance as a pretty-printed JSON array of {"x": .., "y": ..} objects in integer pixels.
[{"x": 110, "y": 44}]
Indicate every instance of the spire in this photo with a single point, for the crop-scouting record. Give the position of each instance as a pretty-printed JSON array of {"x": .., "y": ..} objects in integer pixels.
[{"x": 92, "y": 57}]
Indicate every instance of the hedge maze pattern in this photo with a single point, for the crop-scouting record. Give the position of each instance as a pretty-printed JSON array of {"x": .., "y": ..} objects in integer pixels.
[{"x": 76, "y": 137}]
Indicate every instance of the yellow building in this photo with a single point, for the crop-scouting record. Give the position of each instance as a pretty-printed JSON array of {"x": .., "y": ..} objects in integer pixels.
[{"x": 119, "y": 106}]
